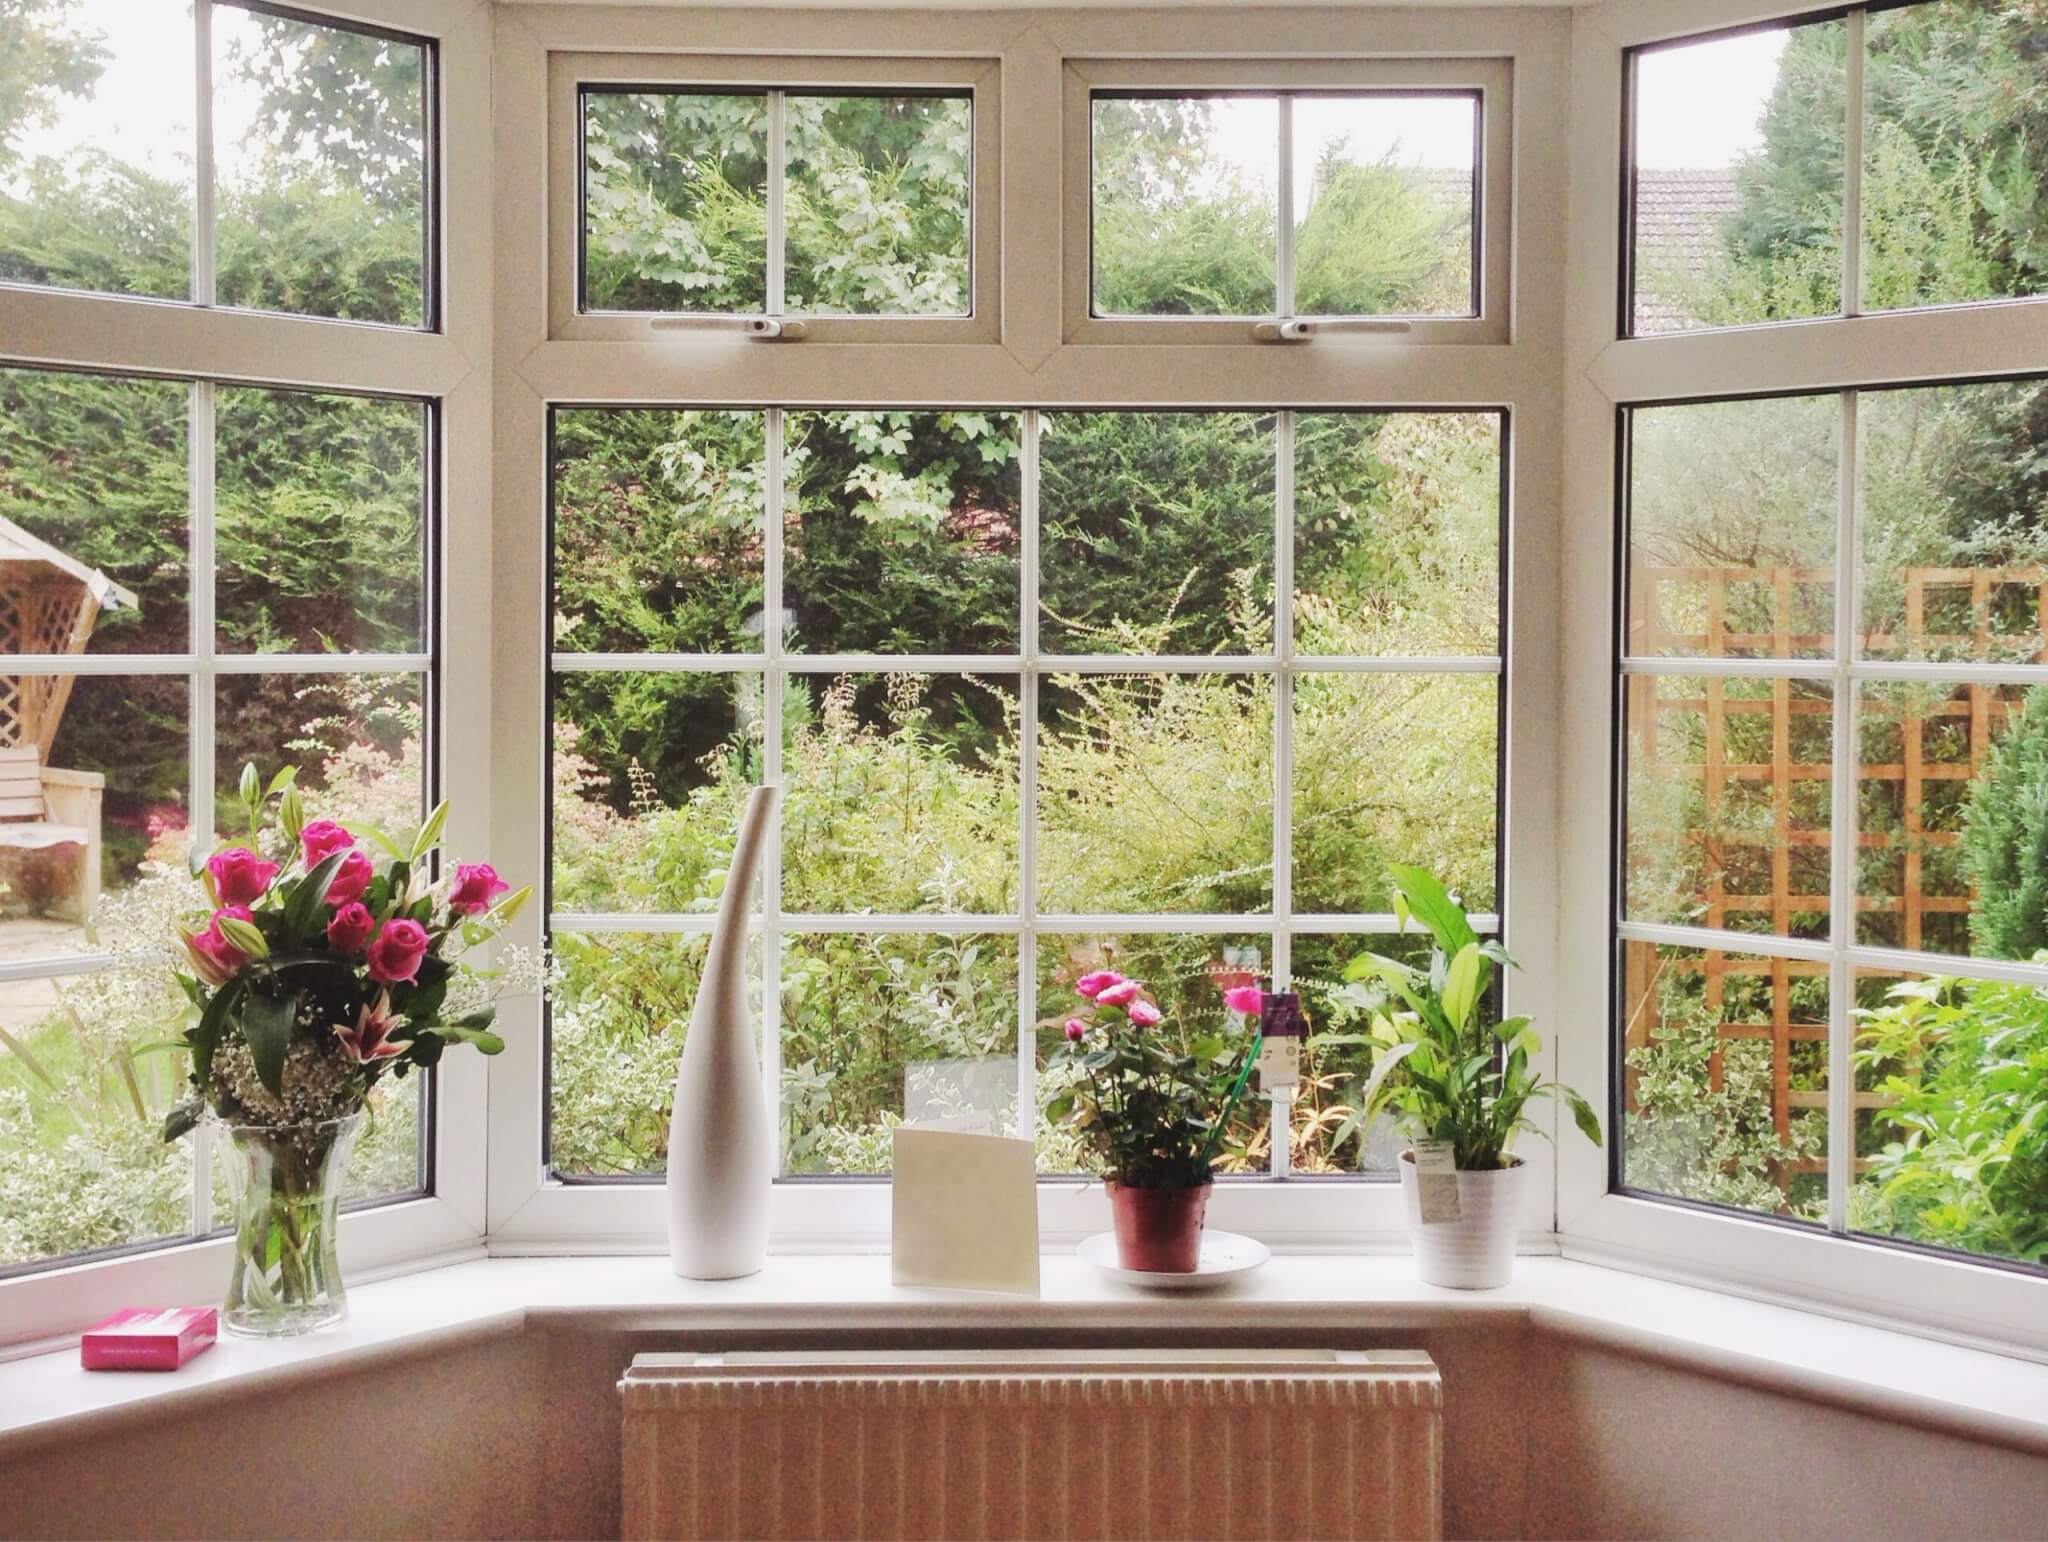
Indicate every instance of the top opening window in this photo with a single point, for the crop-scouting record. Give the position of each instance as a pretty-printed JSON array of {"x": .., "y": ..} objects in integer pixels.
[
  {"x": 1206, "y": 202},
  {"x": 707, "y": 191},
  {"x": 1285, "y": 203},
  {"x": 1750, "y": 153}
]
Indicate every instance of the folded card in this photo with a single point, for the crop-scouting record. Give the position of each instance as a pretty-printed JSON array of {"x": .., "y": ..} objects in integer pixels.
[{"x": 964, "y": 1211}]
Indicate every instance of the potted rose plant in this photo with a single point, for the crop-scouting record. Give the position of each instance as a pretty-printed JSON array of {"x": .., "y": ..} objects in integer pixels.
[
  {"x": 1458, "y": 1082},
  {"x": 322, "y": 965},
  {"x": 1151, "y": 1108}
]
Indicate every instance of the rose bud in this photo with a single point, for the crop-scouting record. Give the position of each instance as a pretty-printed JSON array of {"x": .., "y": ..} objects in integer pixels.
[
  {"x": 476, "y": 884},
  {"x": 350, "y": 929},
  {"x": 322, "y": 839}
]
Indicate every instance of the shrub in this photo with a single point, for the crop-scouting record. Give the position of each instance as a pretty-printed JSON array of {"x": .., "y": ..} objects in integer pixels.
[{"x": 2005, "y": 838}]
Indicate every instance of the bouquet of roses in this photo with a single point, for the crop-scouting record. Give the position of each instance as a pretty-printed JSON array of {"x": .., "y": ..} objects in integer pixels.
[{"x": 330, "y": 958}]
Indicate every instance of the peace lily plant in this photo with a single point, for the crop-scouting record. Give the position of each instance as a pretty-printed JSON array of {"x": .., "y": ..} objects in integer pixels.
[
  {"x": 1457, "y": 1081},
  {"x": 329, "y": 959}
]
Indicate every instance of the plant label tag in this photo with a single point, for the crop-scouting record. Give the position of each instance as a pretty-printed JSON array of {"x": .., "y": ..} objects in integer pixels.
[
  {"x": 1279, "y": 1063},
  {"x": 1436, "y": 1181}
]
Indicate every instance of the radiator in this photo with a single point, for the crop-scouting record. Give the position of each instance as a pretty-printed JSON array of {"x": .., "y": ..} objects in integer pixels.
[{"x": 1034, "y": 1444}]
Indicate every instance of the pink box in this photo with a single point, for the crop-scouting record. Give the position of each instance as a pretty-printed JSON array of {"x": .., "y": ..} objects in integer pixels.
[{"x": 148, "y": 1338}]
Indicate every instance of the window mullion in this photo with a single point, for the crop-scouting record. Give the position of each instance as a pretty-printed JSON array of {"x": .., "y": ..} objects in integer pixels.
[
  {"x": 1283, "y": 255},
  {"x": 199, "y": 458},
  {"x": 1283, "y": 722},
  {"x": 1852, "y": 163},
  {"x": 778, "y": 165},
  {"x": 1843, "y": 824},
  {"x": 772, "y": 679},
  {"x": 202, "y": 154},
  {"x": 1027, "y": 782}
]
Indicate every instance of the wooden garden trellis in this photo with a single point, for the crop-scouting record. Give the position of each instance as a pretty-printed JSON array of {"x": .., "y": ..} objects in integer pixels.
[{"x": 1756, "y": 611}]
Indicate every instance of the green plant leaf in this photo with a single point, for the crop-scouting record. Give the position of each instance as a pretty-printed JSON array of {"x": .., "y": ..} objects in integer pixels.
[
  {"x": 205, "y": 1034},
  {"x": 267, "y": 1025},
  {"x": 430, "y": 832},
  {"x": 1433, "y": 906},
  {"x": 1462, "y": 985},
  {"x": 309, "y": 897},
  {"x": 181, "y": 1118},
  {"x": 1582, "y": 1115}
]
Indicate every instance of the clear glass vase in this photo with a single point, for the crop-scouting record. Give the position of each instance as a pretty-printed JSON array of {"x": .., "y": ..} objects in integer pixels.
[{"x": 284, "y": 1182}]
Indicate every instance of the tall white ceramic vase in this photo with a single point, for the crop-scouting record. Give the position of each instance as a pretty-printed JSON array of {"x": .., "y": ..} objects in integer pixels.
[{"x": 721, "y": 1154}]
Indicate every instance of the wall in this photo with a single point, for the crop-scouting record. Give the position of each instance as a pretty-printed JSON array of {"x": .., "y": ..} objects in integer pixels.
[{"x": 518, "y": 1435}]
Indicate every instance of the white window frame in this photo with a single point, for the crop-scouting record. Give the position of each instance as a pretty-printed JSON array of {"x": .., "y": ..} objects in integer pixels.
[
  {"x": 446, "y": 364},
  {"x": 1970, "y": 1301},
  {"x": 1491, "y": 80},
  {"x": 570, "y": 73},
  {"x": 1030, "y": 363}
]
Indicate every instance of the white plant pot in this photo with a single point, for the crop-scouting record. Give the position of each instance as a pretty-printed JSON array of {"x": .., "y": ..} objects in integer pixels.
[{"x": 1476, "y": 1251}]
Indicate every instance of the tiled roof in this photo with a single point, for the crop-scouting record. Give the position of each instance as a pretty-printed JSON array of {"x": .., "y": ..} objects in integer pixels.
[{"x": 1679, "y": 220}]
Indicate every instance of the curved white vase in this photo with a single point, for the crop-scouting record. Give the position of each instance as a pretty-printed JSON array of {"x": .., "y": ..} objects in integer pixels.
[
  {"x": 721, "y": 1151},
  {"x": 1476, "y": 1251}
]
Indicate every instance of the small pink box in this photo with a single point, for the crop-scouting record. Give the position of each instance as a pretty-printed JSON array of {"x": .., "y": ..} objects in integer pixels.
[{"x": 148, "y": 1338}]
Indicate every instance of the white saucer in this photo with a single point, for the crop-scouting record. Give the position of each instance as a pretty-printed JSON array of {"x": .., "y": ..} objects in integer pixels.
[{"x": 1225, "y": 1256}]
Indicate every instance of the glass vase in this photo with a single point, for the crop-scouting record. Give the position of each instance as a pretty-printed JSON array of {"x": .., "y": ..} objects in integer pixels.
[{"x": 284, "y": 1182}]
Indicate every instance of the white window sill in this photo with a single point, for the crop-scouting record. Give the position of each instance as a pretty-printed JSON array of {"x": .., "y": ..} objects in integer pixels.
[{"x": 1967, "y": 1392}]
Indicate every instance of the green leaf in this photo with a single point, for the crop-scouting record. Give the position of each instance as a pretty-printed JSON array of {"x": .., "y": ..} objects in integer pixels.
[
  {"x": 512, "y": 904},
  {"x": 430, "y": 832},
  {"x": 302, "y": 910},
  {"x": 35, "y": 1066},
  {"x": 1582, "y": 1115},
  {"x": 1461, "y": 985},
  {"x": 267, "y": 1025},
  {"x": 1433, "y": 906},
  {"x": 205, "y": 1035},
  {"x": 182, "y": 1118},
  {"x": 486, "y": 1042},
  {"x": 285, "y": 778},
  {"x": 375, "y": 836},
  {"x": 243, "y": 935}
]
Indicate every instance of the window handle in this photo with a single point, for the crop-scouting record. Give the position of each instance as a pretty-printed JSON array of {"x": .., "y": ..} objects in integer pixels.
[{"x": 1294, "y": 329}]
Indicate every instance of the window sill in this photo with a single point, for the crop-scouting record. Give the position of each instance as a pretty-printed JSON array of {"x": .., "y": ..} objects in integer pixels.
[{"x": 1980, "y": 1396}]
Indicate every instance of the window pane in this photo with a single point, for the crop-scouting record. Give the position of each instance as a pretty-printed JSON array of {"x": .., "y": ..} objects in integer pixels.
[
  {"x": 1155, "y": 794},
  {"x": 1156, "y": 532},
  {"x": 877, "y": 1030},
  {"x": 1738, "y": 179},
  {"x": 650, "y": 774},
  {"x": 354, "y": 738},
  {"x": 875, "y": 217},
  {"x": 1728, "y": 805},
  {"x": 1948, "y": 1071},
  {"x": 83, "y": 1162},
  {"x": 675, "y": 189},
  {"x": 1186, "y": 976},
  {"x": 659, "y": 530},
  {"x": 1955, "y": 550},
  {"x": 902, "y": 793},
  {"x": 96, "y": 147},
  {"x": 319, "y": 143},
  {"x": 617, "y": 1013},
  {"x": 900, "y": 531},
  {"x": 1383, "y": 205},
  {"x": 319, "y": 522},
  {"x": 93, "y": 483},
  {"x": 95, "y": 828},
  {"x": 1333, "y": 1074},
  {"x": 1732, "y": 517},
  {"x": 1726, "y": 1082},
  {"x": 1394, "y": 768},
  {"x": 1953, "y": 204},
  {"x": 1953, "y": 795},
  {"x": 1185, "y": 208},
  {"x": 1397, "y": 533}
]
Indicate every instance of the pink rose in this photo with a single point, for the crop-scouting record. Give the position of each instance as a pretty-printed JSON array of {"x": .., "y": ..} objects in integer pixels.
[
  {"x": 214, "y": 958},
  {"x": 1144, "y": 1014},
  {"x": 350, "y": 929},
  {"x": 1121, "y": 994},
  {"x": 1244, "y": 999},
  {"x": 349, "y": 880},
  {"x": 476, "y": 885},
  {"x": 1076, "y": 1030},
  {"x": 395, "y": 956},
  {"x": 1093, "y": 985},
  {"x": 240, "y": 877},
  {"x": 322, "y": 839}
]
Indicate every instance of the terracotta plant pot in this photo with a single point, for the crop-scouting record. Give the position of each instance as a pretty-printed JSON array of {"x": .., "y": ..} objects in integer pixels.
[
  {"x": 1158, "y": 1231},
  {"x": 1476, "y": 1251}
]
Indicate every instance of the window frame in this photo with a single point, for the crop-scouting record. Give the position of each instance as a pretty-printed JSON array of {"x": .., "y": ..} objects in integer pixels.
[
  {"x": 1981, "y": 1302},
  {"x": 445, "y": 364},
  {"x": 574, "y": 75},
  {"x": 1490, "y": 80}
]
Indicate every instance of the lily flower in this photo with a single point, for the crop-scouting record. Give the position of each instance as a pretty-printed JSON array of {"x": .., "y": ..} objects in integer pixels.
[{"x": 371, "y": 1040}]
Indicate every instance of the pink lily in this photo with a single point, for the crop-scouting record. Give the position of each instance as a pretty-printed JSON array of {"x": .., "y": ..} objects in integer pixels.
[{"x": 371, "y": 1038}]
